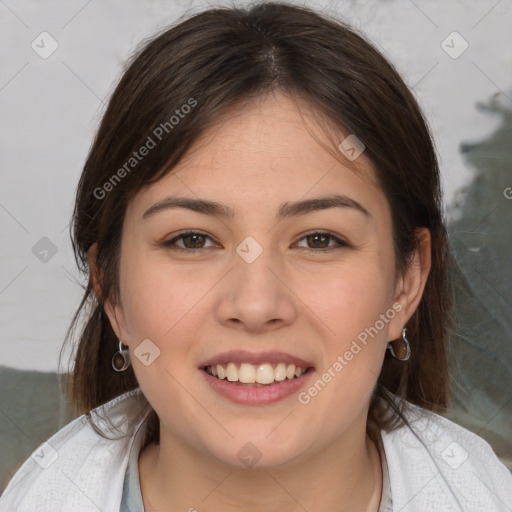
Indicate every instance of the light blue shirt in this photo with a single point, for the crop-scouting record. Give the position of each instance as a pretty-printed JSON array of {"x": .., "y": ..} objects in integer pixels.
[{"x": 132, "y": 496}]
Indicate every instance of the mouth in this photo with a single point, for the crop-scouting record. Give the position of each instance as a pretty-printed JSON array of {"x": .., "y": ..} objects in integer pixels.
[
  {"x": 256, "y": 379},
  {"x": 256, "y": 375}
]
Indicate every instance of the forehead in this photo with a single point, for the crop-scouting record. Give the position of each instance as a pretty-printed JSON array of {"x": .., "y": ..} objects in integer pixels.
[
  {"x": 277, "y": 127},
  {"x": 272, "y": 149}
]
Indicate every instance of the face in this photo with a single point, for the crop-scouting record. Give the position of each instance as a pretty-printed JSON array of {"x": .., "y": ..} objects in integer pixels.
[{"x": 261, "y": 285}]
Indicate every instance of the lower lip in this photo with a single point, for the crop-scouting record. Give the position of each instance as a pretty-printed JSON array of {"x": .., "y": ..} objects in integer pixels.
[{"x": 252, "y": 395}]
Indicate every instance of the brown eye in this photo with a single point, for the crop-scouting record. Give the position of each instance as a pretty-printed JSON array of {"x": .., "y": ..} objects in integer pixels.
[
  {"x": 191, "y": 240},
  {"x": 322, "y": 239}
]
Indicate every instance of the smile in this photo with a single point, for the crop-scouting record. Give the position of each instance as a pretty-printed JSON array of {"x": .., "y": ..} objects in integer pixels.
[{"x": 248, "y": 374}]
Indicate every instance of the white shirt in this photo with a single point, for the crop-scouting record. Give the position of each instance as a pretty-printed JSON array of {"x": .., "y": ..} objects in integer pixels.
[{"x": 433, "y": 466}]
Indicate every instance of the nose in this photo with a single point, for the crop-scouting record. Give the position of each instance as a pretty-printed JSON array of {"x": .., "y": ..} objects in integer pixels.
[{"x": 255, "y": 296}]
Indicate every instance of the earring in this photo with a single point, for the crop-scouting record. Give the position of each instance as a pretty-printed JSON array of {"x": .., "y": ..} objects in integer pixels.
[
  {"x": 404, "y": 352},
  {"x": 121, "y": 359}
]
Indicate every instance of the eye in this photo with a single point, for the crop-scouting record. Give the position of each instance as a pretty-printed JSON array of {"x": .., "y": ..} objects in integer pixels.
[
  {"x": 196, "y": 240},
  {"x": 321, "y": 239},
  {"x": 191, "y": 240}
]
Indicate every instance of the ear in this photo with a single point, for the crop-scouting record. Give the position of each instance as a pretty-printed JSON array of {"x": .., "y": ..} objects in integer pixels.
[
  {"x": 114, "y": 312},
  {"x": 410, "y": 286}
]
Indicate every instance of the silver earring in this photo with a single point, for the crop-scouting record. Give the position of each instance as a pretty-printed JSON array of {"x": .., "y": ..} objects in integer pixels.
[
  {"x": 121, "y": 359},
  {"x": 401, "y": 356}
]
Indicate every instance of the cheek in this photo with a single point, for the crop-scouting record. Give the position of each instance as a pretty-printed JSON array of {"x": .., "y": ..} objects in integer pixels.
[
  {"x": 353, "y": 348},
  {"x": 160, "y": 305},
  {"x": 166, "y": 304},
  {"x": 349, "y": 301},
  {"x": 348, "y": 298},
  {"x": 156, "y": 296}
]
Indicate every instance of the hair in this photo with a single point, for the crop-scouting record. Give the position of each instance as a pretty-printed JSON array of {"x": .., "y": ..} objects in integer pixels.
[{"x": 213, "y": 61}]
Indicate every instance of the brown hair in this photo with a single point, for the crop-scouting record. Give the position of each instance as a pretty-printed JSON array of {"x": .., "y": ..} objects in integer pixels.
[{"x": 218, "y": 58}]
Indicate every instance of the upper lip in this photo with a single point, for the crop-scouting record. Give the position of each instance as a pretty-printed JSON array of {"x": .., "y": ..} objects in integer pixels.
[{"x": 243, "y": 356}]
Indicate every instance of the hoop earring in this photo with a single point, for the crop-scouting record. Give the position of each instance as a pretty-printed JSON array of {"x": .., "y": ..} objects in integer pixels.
[
  {"x": 121, "y": 359},
  {"x": 404, "y": 352}
]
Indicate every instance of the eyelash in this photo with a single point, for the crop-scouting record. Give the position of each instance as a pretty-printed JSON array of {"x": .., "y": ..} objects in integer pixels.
[{"x": 170, "y": 244}]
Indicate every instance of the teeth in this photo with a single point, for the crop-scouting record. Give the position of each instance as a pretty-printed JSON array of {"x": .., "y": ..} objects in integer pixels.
[
  {"x": 250, "y": 374},
  {"x": 280, "y": 372},
  {"x": 247, "y": 373},
  {"x": 231, "y": 372},
  {"x": 264, "y": 374}
]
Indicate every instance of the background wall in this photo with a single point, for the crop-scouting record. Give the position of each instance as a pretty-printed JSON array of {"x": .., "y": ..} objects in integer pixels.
[{"x": 59, "y": 63}]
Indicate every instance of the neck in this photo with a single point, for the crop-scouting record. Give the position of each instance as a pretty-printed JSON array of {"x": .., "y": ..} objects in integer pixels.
[{"x": 343, "y": 476}]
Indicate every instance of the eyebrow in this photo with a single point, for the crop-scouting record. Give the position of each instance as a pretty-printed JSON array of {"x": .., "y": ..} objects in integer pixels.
[{"x": 285, "y": 210}]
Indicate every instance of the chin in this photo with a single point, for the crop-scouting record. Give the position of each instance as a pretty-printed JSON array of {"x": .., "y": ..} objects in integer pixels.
[{"x": 257, "y": 452}]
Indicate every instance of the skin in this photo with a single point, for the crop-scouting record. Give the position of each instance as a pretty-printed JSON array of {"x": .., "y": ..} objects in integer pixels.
[{"x": 297, "y": 297}]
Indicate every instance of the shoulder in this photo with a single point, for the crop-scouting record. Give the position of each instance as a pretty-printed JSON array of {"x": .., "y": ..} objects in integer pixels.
[
  {"x": 82, "y": 464},
  {"x": 433, "y": 462}
]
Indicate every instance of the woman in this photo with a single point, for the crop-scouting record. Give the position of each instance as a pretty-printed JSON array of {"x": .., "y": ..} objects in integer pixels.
[{"x": 259, "y": 215}]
